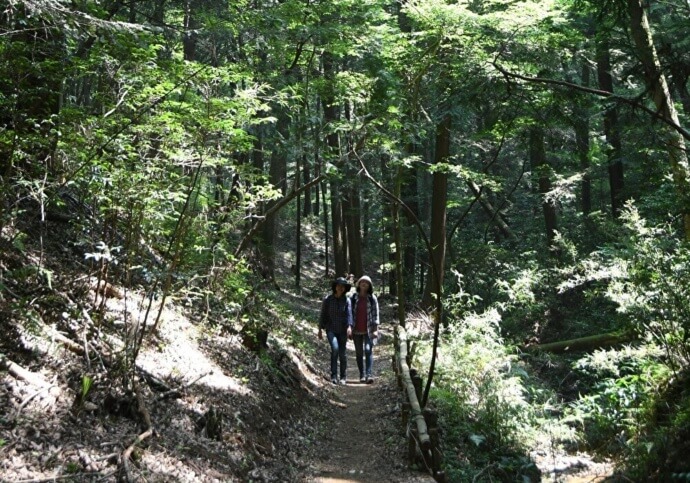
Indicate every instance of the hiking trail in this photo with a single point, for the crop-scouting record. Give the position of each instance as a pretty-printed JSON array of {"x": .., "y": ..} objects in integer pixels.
[{"x": 364, "y": 438}]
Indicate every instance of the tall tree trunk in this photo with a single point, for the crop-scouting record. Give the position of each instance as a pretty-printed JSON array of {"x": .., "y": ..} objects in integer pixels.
[
  {"x": 276, "y": 175},
  {"x": 426, "y": 185},
  {"x": 409, "y": 193},
  {"x": 132, "y": 12},
  {"x": 191, "y": 24},
  {"x": 325, "y": 229},
  {"x": 217, "y": 212},
  {"x": 438, "y": 215},
  {"x": 542, "y": 170},
  {"x": 582, "y": 143},
  {"x": 611, "y": 127},
  {"x": 657, "y": 86},
  {"x": 158, "y": 16},
  {"x": 393, "y": 230},
  {"x": 680, "y": 73},
  {"x": 258, "y": 151},
  {"x": 317, "y": 162},
  {"x": 330, "y": 114},
  {"x": 298, "y": 229},
  {"x": 399, "y": 278},
  {"x": 354, "y": 232},
  {"x": 317, "y": 188},
  {"x": 365, "y": 210},
  {"x": 306, "y": 175},
  {"x": 353, "y": 214},
  {"x": 338, "y": 230}
]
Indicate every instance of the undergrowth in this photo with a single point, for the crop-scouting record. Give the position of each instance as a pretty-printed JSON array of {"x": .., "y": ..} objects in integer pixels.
[{"x": 499, "y": 406}]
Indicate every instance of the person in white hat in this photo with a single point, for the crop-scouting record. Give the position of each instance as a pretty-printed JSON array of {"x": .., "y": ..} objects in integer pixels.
[{"x": 365, "y": 312}]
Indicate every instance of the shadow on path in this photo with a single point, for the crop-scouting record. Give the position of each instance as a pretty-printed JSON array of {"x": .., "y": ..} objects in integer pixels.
[{"x": 364, "y": 439}]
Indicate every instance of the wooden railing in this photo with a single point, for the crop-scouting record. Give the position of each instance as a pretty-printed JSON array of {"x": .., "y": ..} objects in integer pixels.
[{"x": 421, "y": 425}]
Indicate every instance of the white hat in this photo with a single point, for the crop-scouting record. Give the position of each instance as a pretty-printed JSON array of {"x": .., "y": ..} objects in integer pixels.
[{"x": 365, "y": 279}]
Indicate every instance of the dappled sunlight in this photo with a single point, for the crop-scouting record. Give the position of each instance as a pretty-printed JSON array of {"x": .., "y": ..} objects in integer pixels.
[
  {"x": 177, "y": 353},
  {"x": 183, "y": 360},
  {"x": 180, "y": 356}
]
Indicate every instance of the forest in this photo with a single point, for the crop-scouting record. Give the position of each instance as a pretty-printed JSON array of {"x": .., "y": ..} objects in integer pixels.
[{"x": 512, "y": 174}]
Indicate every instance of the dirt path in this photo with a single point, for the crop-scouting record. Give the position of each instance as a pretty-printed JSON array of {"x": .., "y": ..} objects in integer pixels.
[{"x": 365, "y": 442}]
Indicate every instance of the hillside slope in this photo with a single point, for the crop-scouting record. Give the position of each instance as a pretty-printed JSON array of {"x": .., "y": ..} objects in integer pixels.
[{"x": 205, "y": 408}]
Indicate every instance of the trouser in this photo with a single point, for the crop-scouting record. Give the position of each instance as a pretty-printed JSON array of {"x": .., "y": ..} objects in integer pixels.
[
  {"x": 363, "y": 350},
  {"x": 338, "y": 344}
]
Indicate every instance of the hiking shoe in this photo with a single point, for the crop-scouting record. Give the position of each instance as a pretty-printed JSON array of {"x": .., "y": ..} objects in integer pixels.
[
  {"x": 361, "y": 379},
  {"x": 343, "y": 381},
  {"x": 334, "y": 380},
  {"x": 369, "y": 380}
]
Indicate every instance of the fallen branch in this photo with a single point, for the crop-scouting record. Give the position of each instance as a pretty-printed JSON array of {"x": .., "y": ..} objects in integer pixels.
[
  {"x": 71, "y": 345},
  {"x": 583, "y": 343},
  {"x": 75, "y": 347},
  {"x": 338, "y": 404},
  {"x": 124, "y": 458},
  {"x": 70, "y": 476},
  {"x": 177, "y": 392},
  {"x": 25, "y": 375},
  {"x": 125, "y": 473},
  {"x": 153, "y": 381}
]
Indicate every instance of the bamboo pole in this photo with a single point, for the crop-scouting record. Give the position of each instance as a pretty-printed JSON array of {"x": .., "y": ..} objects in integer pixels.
[{"x": 416, "y": 415}]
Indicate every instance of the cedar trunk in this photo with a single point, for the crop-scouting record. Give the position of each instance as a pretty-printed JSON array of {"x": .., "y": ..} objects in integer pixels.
[
  {"x": 582, "y": 143},
  {"x": 354, "y": 232},
  {"x": 541, "y": 168},
  {"x": 438, "y": 215},
  {"x": 330, "y": 114},
  {"x": 611, "y": 128},
  {"x": 657, "y": 86}
]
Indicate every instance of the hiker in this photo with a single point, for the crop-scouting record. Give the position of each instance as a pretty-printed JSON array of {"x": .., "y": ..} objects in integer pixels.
[
  {"x": 365, "y": 309},
  {"x": 336, "y": 320}
]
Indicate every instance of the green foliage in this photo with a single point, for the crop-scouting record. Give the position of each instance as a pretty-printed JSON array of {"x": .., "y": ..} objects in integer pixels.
[
  {"x": 642, "y": 418},
  {"x": 653, "y": 288},
  {"x": 624, "y": 385},
  {"x": 625, "y": 391},
  {"x": 647, "y": 275},
  {"x": 481, "y": 392},
  {"x": 236, "y": 285},
  {"x": 86, "y": 383}
]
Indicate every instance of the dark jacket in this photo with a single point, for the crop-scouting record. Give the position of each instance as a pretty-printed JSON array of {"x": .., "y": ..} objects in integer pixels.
[{"x": 336, "y": 314}]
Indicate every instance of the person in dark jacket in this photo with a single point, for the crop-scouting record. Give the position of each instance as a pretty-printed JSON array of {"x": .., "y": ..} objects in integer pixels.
[
  {"x": 365, "y": 309},
  {"x": 336, "y": 320}
]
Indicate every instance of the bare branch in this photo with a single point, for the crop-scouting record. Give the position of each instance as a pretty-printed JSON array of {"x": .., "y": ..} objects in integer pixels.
[{"x": 597, "y": 92}]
